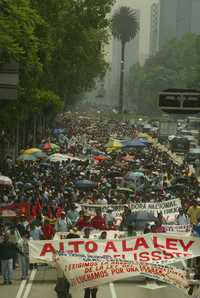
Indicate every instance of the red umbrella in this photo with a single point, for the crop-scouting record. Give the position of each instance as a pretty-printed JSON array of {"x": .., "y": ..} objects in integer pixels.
[
  {"x": 50, "y": 147},
  {"x": 100, "y": 158}
]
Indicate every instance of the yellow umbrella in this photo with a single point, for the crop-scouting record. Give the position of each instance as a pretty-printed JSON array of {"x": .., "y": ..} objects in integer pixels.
[
  {"x": 114, "y": 145},
  {"x": 31, "y": 151}
]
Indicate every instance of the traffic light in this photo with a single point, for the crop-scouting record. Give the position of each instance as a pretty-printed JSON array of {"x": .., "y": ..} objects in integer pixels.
[{"x": 180, "y": 101}]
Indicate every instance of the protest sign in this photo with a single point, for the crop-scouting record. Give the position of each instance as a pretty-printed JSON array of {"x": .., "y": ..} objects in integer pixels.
[
  {"x": 86, "y": 272},
  {"x": 151, "y": 248},
  {"x": 166, "y": 207},
  {"x": 177, "y": 228},
  {"x": 16, "y": 208},
  {"x": 94, "y": 234},
  {"x": 169, "y": 207}
]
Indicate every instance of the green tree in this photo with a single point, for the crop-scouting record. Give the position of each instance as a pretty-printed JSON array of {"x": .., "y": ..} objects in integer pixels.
[
  {"x": 124, "y": 28},
  {"x": 176, "y": 65}
]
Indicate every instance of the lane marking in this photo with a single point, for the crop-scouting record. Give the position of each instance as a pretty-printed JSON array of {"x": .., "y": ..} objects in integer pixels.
[
  {"x": 30, "y": 283},
  {"x": 112, "y": 290},
  {"x": 21, "y": 288}
]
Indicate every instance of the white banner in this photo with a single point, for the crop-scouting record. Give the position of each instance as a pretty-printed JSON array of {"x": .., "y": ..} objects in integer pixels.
[
  {"x": 178, "y": 228},
  {"x": 166, "y": 207},
  {"x": 151, "y": 248},
  {"x": 90, "y": 272},
  {"x": 94, "y": 234}
]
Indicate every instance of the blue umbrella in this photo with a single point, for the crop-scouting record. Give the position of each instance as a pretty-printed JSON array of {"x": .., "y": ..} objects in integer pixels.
[
  {"x": 133, "y": 175},
  {"x": 146, "y": 142},
  {"x": 40, "y": 154},
  {"x": 44, "y": 165},
  {"x": 85, "y": 184},
  {"x": 19, "y": 184},
  {"x": 28, "y": 186},
  {"x": 27, "y": 157},
  {"x": 134, "y": 144}
]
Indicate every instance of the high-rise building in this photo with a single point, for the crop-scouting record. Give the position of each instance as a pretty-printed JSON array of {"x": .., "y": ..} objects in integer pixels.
[
  {"x": 177, "y": 18},
  {"x": 154, "y": 28}
]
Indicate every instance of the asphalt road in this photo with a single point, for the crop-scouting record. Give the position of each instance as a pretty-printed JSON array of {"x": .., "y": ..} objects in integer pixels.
[{"x": 41, "y": 284}]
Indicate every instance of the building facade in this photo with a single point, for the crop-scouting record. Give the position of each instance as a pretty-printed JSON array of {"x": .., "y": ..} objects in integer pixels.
[
  {"x": 177, "y": 18},
  {"x": 154, "y": 28}
]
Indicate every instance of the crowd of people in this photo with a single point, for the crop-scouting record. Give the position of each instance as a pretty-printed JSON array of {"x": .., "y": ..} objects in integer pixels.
[{"x": 59, "y": 194}]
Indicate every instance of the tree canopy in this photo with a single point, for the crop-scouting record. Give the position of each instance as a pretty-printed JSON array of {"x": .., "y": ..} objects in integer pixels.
[
  {"x": 58, "y": 45},
  {"x": 125, "y": 24},
  {"x": 176, "y": 65}
]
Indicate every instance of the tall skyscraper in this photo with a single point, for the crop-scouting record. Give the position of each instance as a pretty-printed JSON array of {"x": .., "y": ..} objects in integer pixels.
[
  {"x": 154, "y": 28},
  {"x": 177, "y": 18}
]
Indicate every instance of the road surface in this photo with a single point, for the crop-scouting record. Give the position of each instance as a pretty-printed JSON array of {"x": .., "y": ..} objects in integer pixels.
[{"x": 41, "y": 284}]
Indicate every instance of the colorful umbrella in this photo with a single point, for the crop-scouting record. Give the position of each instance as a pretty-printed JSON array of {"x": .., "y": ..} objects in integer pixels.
[
  {"x": 50, "y": 147},
  {"x": 85, "y": 184},
  {"x": 101, "y": 158},
  {"x": 124, "y": 189},
  {"x": 31, "y": 151},
  {"x": 27, "y": 157},
  {"x": 40, "y": 154},
  {"x": 134, "y": 144},
  {"x": 114, "y": 143},
  {"x": 5, "y": 181},
  {"x": 133, "y": 175},
  {"x": 63, "y": 157}
]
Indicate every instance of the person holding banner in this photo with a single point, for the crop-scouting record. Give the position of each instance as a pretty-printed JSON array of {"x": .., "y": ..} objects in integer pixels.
[
  {"x": 89, "y": 292},
  {"x": 63, "y": 223},
  {"x": 182, "y": 218}
]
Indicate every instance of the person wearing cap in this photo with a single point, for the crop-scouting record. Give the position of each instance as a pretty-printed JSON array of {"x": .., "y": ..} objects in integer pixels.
[
  {"x": 63, "y": 223},
  {"x": 194, "y": 212},
  {"x": 182, "y": 218}
]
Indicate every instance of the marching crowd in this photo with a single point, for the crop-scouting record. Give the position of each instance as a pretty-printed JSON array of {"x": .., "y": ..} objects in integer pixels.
[{"x": 59, "y": 194}]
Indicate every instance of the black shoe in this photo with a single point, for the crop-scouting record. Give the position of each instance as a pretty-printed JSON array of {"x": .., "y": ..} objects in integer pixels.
[
  {"x": 10, "y": 282},
  {"x": 5, "y": 282}
]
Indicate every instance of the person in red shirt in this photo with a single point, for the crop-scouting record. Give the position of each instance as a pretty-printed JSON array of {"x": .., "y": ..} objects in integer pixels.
[
  {"x": 47, "y": 230},
  {"x": 84, "y": 221},
  {"x": 98, "y": 222}
]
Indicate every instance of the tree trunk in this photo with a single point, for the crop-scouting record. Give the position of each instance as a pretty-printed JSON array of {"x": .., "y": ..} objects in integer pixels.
[
  {"x": 121, "y": 87},
  {"x": 17, "y": 140},
  {"x": 34, "y": 130}
]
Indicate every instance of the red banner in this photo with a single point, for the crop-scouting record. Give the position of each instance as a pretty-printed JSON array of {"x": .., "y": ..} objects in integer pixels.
[{"x": 17, "y": 208}]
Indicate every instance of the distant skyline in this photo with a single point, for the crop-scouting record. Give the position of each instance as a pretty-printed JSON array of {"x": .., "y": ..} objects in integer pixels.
[{"x": 144, "y": 7}]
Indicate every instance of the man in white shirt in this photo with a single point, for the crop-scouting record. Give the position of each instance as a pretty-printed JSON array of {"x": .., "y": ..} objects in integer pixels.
[
  {"x": 63, "y": 224},
  {"x": 182, "y": 218}
]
